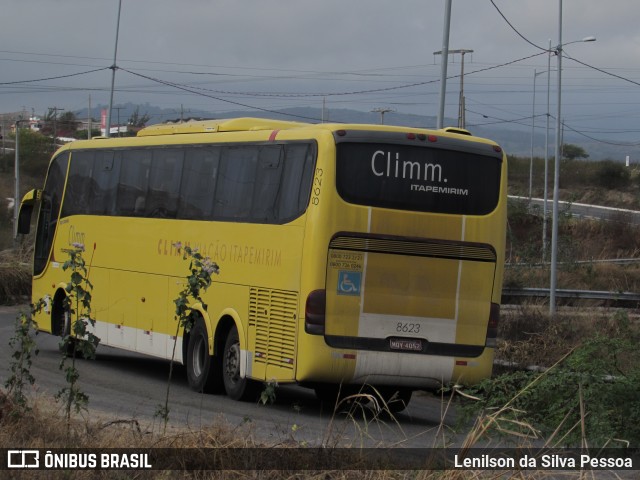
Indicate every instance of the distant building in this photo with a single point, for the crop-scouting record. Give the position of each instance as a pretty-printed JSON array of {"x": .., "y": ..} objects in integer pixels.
[{"x": 35, "y": 123}]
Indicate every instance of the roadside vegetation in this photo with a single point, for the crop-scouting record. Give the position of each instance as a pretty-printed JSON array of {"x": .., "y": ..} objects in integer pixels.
[{"x": 573, "y": 379}]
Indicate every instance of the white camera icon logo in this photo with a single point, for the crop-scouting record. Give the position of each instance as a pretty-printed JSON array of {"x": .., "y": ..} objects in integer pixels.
[{"x": 23, "y": 459}]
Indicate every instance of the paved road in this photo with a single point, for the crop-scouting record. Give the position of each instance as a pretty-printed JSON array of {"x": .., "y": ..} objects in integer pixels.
[
  {"x": 126, "y": 385},
  {"x": 587, "y": 211}
]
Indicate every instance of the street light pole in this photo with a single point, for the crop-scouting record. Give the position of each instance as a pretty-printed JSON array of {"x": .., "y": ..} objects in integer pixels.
[
  {"x": 556, "y": 174},
  {"x": 546, "y": 161},
  {"x": 16, "y": 198},
  {"x": 533, "y": 126},
  {"x": 553, "y": 283}
]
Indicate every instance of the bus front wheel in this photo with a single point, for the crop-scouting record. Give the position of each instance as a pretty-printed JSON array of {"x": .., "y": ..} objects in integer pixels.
[
  {"x": 61, "y": 326},
  {"x": 203, "y": 370},
  {"x": 237, "y": 387}
]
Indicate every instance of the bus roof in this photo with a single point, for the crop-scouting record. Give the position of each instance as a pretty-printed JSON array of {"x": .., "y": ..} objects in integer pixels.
[
  {"x": 253, "y": 124},
  {"x": 221, "y": 125}
]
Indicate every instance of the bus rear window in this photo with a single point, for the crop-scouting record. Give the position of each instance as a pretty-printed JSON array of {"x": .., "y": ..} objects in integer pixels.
[{"x": 418, "y": 178}]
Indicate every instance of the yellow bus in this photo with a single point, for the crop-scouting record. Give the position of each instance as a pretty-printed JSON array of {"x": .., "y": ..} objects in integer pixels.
[{"x": 349, "y": 254}]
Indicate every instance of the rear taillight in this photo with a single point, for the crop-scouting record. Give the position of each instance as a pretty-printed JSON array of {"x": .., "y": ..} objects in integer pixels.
[
  {"x": 314, "y": 312},
  {"x": 492, "y": 327}
]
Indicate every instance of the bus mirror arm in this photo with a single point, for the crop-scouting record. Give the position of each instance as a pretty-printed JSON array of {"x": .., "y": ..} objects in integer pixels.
[{"x": 26, "y": 210}]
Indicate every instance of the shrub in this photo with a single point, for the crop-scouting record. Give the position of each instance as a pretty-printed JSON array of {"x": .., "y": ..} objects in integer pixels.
[
  {"x": 596, "y": 385},
  {"x": 610, "y": 174},
  {"x": 35, "y": 152}
]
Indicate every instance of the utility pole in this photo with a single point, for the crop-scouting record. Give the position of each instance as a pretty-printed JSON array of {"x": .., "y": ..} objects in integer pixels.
[
  {"x": 16, "y": 202},
  {"x": 3, "y": 133},
  {"x": 55, "y": 125},
  {"x": 382, "y": 111},
  {"x": 118, "y": 128},
  {"x": 89, "y": 123},
  {"x": 113, "y": 68},
  {"x": 461, "y": 106},
  {"x": 324, "y": 108}
]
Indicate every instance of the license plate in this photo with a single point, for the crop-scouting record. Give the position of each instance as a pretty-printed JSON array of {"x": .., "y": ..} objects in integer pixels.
[{"x": 410, "y": 344}]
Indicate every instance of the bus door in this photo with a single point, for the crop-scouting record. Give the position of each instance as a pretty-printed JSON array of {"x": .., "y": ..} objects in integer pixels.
[{"x": 50, "y": 202}]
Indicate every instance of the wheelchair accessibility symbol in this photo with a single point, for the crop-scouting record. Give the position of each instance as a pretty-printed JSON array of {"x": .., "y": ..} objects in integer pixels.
[{"x": 349, "y": 282}]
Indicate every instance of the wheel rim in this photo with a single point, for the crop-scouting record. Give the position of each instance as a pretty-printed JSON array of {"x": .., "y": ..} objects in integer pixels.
[
  {"x": 232, "y": 363},
  {"x": 197, "y": 357}
]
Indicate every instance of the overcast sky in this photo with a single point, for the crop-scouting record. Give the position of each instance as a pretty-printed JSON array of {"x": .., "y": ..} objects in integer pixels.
[{"x": 360, "y": 54}]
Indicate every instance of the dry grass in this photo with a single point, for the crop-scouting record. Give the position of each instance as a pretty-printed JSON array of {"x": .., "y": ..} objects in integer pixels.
[
  {"x": 582, "y": 246},
  {"x": 529, "y": 336},
  {"x": 583, "y": 276},
  {"x": 43, "y": 427},
  {"x": 15, "y": 275}
]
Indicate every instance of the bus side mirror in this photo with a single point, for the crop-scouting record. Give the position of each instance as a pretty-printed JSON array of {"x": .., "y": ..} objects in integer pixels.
[{"x": 26, "y": 210}]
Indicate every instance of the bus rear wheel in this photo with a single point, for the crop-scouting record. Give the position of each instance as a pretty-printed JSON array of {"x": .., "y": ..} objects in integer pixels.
[
  {"x": 237, "y": 387},
  {"x": 395, "y": 399},
  {"x": 204, "y": 371}
]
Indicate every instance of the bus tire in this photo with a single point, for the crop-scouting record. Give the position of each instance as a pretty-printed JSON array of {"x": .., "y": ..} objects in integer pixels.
[
  {"x": 327, "y": 394},
  {"x": 61, "y": 326},
  {"x": 60, "y": 316},
  {"x": 237, "y": 388},
  {"x": 203, "y": 370}
]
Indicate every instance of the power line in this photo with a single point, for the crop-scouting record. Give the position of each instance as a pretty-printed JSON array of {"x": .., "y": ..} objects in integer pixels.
[
  {"x": 606, "y": 142},
  {"x": 357, "y": 72},
  {"x": 500, "y": 120},
  {"x": 600, "y": 70},
  {"x": 186, "y": 89},
  {"x": 574, "y": 130},
  {"x": 564, "y": 52},
  {"x": 16, "y": 82},
  {"x": 325, "y": 94},
  {"x": 516, "y": 30}
]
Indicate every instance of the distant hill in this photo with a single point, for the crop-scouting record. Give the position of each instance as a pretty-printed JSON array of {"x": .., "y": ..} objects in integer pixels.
[{"x": 515, "y": 139}]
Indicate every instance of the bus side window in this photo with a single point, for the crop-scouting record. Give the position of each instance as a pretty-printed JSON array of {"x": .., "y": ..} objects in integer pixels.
[
  {"x": 296, "y": 181},
  {"x": 197, "y": 189},
  {"x": 234, "y": 189},
  {"x": 134, "y": 182},
  {"x": 164, "y": 183},
  {"x": 267, "y": 184},
  {"x": 105, "y": 176}
]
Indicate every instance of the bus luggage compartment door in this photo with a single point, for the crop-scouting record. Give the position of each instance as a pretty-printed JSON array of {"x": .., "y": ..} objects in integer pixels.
[{"x": 396, "y": 294}]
